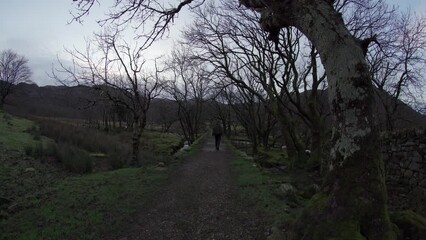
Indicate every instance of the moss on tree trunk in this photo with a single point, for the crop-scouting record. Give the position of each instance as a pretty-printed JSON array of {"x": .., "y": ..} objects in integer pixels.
[{"x": 352, "y": 201}]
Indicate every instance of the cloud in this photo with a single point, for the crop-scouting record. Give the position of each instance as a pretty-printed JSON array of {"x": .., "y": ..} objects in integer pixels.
[{"x": 41, "y": 67}]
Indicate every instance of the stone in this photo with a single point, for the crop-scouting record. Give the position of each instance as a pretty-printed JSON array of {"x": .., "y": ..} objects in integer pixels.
[
  {"x": 4, "y": 201},
  {"x": 161, "y": 164},
  {"x": 12, "y": 208},
  {"x": 408, "y": 173},
  {"x": 410, "y": 144},
  {"x": 30, "y": 169},
  {"x": 286, "y": 188},
  {"x": 311, "y": 190},
  {"x": 161, "y": 169},
  {"x": 314, "y": 187},
  {"x": 414, "y": 166}
]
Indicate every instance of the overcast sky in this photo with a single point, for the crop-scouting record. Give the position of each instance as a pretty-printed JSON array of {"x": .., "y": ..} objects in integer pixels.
[{"x": 39, "y": 30}]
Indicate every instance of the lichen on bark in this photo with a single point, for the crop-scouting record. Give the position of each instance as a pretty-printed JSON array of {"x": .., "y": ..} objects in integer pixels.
[{"x": 352, "y": 201}]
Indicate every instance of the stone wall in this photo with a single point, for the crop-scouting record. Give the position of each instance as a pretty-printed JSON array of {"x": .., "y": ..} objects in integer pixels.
[{"x": 404, "y": 154}]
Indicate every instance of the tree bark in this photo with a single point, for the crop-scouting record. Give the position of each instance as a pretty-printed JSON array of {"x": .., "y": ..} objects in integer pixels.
[
  {"x": 352, "y": 203},
  {"x": 136, "y": 140}
]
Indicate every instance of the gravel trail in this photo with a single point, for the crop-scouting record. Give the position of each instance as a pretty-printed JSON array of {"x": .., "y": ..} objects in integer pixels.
[{"x": 200, "y": 202}]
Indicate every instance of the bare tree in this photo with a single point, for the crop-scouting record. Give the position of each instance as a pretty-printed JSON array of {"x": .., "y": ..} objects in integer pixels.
[
  {"x": 221, "y": 108},
  {"x": 398, "y": 67},
  {"x": 397, "y": 57},
  {"x": 117, "y": 70},
  {"x": 13, "y": 70},
  {"x": 159, "y": 14},
  {"x": 252, "y": 112},
  {"x": 355, "y": 161},
  {"x": 229, "y": 39},
  {"x": 188, "y": 86},
  {"x": 164, "y": 113},
  {"x": 352, "y": 201}
]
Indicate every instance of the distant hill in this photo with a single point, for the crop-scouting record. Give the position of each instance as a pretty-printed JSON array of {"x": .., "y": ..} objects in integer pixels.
[
  {"x": 77, "y": 103},
  {"x": 51, "y": 101},
  {"x": 405, "y": 116}
]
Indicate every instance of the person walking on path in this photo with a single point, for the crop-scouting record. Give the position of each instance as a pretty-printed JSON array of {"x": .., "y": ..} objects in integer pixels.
[{"x": 217, "y": 133}]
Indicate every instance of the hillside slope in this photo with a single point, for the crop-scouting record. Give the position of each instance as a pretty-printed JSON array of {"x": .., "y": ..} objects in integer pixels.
[{"x": 78, "y": 103}]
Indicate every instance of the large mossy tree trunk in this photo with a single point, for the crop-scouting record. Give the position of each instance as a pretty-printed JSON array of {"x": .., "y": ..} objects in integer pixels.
[{"x": 352, "y": 203}]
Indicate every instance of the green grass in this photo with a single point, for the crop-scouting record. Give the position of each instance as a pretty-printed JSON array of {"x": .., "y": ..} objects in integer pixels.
[
  {"x": 193, "y": 148},
  {"x": 260, "y": 188},
  {"x": 52, "y": 203},
  {"x": 13, "y": 133},
  {"x": 111, "y": 148},
  {"x": 274, "y": 155},
  {"x": 85, "y": 207},
  {"x": 161, "y": 143}
]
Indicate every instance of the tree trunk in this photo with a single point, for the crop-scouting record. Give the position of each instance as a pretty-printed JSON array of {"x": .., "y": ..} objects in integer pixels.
[
  {"x": 265, "y": 140},
  {"x": 290, "y": 148},
  {"x": 135, "y": 146},
  {"x": 295, "y": 148},
  {"x": 317, "y": 151},
  {"x": 352, "y": 203},
  {"x": 353, "y": 199},
  {"x": 136, "y": 140}
]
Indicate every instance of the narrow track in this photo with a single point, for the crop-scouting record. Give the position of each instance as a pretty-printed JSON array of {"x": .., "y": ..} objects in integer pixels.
[{"x": 200, "y": 202}]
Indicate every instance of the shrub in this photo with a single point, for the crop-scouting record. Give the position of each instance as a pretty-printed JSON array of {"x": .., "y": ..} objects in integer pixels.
[
  {"x": 117, "y": 158},
  {"x": 74, "y": 159},
  {"x": 35, "y": 132},
  {"x": 149, "y": 157},
  {"x": 38, "y": 151},
  {"x": 50, "y": 149},
  {"x": 35, "y": 151},
  {"x": 28, "y": 149},
  {"x": 154, "y": 147}
]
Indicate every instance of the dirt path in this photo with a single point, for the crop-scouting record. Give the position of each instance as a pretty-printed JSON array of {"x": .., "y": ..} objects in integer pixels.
[{"x": 201, "y": 202}]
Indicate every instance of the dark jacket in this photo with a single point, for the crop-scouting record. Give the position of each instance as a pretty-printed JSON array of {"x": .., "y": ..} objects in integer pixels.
[{"x": 217, "y": 130}]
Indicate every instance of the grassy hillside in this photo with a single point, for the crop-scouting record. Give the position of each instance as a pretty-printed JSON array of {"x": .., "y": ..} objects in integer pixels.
[
  {"x": 84, "y": 207},
  {"x": 41, "y": 199},
  {"x": 14, "y": 133}
]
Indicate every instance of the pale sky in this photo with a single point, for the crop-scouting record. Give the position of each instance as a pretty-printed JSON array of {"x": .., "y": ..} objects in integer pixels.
[{"x": 39, "y": 30}]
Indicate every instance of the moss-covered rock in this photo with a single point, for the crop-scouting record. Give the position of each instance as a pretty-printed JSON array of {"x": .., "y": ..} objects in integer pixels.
[
  {"x": 411, "y": 225},
  {"x": 310, "y": 224},
  {"x": 316, "y": 222},
  {"x": 318, "y": 201}
]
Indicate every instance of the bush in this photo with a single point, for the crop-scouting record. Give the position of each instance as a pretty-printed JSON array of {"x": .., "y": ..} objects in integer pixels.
[
  {"x": 38, "y": 151},
  {"x": 28, "y": 149},
  {"x": 50, "y": 149},
  {"x": 74, "y": 159},
  {"x": 90, "y": 140},
  {"x": 117, "y": 158},
  {"x": 148, "y": 157},
  {"x": 154, "y": 147},
  {"x": 35, "y": 151},
  {"x": 35, "y": 132}
]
